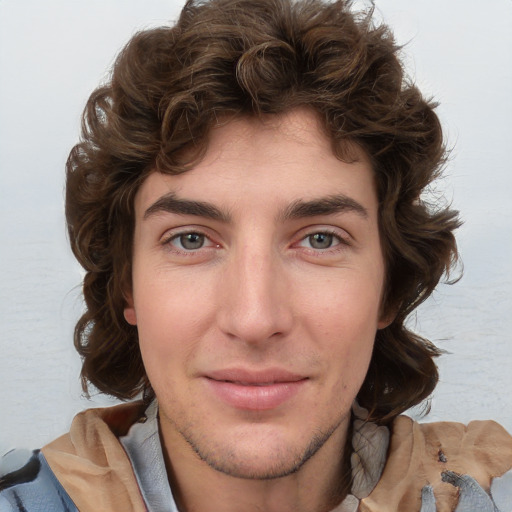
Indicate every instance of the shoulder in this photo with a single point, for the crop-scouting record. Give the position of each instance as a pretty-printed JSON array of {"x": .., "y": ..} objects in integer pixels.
[
  {"x": 69, "y": 472},
  {"x": 91, "y": 463},
  {"x": 447, "y": 463},
  {"x": 481, "y": 446},
  {"x": 28, "y": 484}
]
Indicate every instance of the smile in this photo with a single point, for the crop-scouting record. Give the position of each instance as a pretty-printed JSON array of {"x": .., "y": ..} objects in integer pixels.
[
  {"x": 252, "y": 383},
  {"x": 258, "y": 391}
]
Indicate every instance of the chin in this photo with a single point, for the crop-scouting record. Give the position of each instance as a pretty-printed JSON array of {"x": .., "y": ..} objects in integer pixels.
[
  {"x": 265, "y": 464},
  {"x": 262, "y": 455}
]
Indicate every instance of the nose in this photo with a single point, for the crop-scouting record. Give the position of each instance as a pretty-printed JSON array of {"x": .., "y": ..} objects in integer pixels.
[{"x": 256, "y": 303}]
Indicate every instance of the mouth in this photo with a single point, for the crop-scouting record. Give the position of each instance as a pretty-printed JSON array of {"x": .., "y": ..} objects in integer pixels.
[
  {"x": 254, "y": 390},
  {"x": 247, "y": 377},
  {"x": 242, "y": 383}
]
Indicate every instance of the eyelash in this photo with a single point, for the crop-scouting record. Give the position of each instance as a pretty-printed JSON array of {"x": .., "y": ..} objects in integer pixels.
[
  {"x": 340, "y": 242},
  {"x": 169, "y": 238}
]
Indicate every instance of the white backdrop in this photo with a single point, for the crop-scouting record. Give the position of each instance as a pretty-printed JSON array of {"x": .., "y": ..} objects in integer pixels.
[{"x": 53, "y": 53}]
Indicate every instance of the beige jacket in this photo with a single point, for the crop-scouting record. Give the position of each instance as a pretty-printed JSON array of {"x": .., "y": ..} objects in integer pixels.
[{"x": 95, "y": 470}]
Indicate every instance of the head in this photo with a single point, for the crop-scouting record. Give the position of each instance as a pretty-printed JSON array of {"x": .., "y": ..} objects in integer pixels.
[{"x": 227, "y": 60}]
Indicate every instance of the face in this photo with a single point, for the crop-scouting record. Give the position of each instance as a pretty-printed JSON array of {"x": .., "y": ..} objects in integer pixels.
[{"x": 257, "y": 281}]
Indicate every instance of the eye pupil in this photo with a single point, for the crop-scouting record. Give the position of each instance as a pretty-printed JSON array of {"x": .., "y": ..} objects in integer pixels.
[
  {"x": 321, "y": 240},
  {"x": 192, "y": 241}
]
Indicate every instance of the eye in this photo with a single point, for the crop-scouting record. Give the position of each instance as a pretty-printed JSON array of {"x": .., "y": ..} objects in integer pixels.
[
  {"x": 320, "y": 241},
  {"x": 190, "y": 241}
]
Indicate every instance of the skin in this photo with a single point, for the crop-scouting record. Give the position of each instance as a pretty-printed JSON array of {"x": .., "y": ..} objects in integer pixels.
[{"x": 256, "y": 284}]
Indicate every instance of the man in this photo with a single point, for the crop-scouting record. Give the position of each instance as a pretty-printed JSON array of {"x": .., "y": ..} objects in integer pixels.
[{"x": 246, "y": 202}]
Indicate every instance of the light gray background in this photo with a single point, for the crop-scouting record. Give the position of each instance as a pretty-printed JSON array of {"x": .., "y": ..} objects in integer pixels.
[{"x": 53, "y": 53}]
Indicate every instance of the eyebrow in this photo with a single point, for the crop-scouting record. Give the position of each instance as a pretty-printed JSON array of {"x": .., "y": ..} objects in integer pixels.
[
  {"x": 324, "y": 206},
  {"x": 329, "y": 205},
  {"x": 170, "y": 203}
]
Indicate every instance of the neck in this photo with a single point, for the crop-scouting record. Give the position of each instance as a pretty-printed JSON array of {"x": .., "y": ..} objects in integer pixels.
[{"x": 318, "y": 486}]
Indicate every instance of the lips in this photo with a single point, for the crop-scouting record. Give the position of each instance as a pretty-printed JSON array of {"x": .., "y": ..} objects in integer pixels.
[
  {"x": 254, "y": 378},
  {"x": 241, "y": 383},
  {"x": 254, "y": 390}
]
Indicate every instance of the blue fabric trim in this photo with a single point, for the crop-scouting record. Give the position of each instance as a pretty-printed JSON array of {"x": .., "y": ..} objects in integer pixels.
[
  {"x": 34, "y": 488},
  {"x": 143, "y": 447}
]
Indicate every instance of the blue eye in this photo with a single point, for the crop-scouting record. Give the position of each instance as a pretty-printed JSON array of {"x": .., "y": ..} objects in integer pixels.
[
  {"x": 189, "y": 241},
  {"x": 321, "y": 240}
]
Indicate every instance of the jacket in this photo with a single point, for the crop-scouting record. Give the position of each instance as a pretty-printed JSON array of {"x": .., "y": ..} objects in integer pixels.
[{"x": 111, "y": 460}]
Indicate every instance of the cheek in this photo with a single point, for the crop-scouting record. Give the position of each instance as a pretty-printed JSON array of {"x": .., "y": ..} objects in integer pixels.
[
  {"x": 347, "y": 307},
  {"x": 167, "y": 331},
  {"x": 171, "y": 317},
  {"x": 343, "y": 321},
  {"x": 170, "y": 303}
]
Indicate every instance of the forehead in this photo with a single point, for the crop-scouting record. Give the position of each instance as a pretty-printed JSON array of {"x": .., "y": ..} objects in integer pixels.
[{"x": 268, "y": 161}]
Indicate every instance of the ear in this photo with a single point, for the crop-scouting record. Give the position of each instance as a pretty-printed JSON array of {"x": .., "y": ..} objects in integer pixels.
[
  {"x": 387, "y": 316},
  {"x": 129, "y": 310},
  {"x": 384, "y": 321}
]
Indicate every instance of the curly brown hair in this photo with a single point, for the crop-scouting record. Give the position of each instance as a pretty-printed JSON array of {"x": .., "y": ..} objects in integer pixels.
[{"x": 168, "y": 88}]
